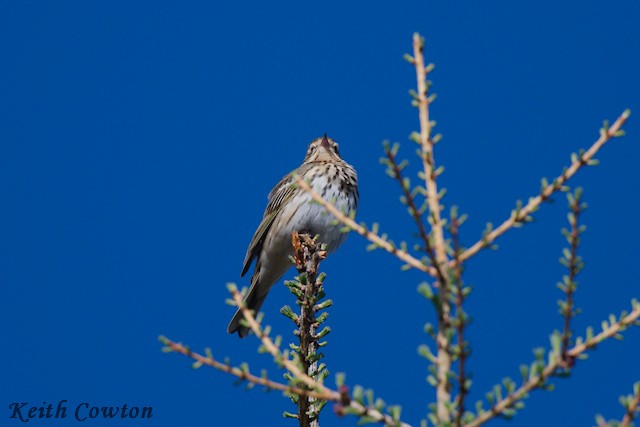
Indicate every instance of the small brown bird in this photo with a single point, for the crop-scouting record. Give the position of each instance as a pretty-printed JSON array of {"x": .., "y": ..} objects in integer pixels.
[{"x": 291, "y": 209}]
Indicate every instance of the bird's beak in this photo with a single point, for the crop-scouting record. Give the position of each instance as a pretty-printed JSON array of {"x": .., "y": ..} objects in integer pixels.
[{"x": 325, "y": 142}]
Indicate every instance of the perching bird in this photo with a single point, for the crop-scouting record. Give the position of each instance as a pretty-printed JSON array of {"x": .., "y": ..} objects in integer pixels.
[{"x": 291, "y": 209}]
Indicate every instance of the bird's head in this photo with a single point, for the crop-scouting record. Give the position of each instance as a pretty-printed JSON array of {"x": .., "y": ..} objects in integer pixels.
[{"x": 322, "y": 149}]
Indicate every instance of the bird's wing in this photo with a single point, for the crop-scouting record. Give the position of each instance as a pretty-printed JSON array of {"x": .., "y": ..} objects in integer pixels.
[{"x": 280, "y": 195}]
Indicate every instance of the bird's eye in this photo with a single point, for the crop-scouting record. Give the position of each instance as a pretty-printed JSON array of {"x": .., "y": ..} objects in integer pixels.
[{"x": 335, "y": 148}]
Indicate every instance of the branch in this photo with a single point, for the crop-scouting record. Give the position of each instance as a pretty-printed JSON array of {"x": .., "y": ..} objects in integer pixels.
[
  {"x": 426, "y": 144},
  {"x": 443, "y": 361},
  {"x": 521, "y": 215},
  {"x": 632, "y": 407},
  {"x": 396, "y": 171},
  {"x": 370, "y": 414},
  {"x": 538, "y": 380},
  {"x": 274, "y": 349},
  {"x": 631, "y": 404},
  {"x": 242, "y": 373},
  {"x": 574, "y": 264},
  {"x": 352, "y": 407},
  {"x": 294, "y": 369},
  {"x": 307, "y": 255},
  {"x": 369, "y": 235},
  {"x": 461, "y": 318},
  {"x": 611, "y": 331}
]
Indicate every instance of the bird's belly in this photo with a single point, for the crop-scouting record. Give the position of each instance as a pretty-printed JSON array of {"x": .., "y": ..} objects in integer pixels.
[{"x": 307, "y": 215}]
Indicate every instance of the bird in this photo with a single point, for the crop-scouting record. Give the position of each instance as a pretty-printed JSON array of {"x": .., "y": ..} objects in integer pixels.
[{"x": 290, "y": 209}]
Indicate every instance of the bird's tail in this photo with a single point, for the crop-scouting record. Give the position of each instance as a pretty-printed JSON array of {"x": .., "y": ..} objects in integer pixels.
[{"x": 253, "y": 302}]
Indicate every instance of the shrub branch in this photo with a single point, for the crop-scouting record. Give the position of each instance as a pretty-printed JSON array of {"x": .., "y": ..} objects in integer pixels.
[
  {"x": 443, "y": 360},
  {"x": 241, "y": 372},
  {"x": 414, "y": 211},
  {"x": 314, "y": 389},
  {"x": 631, "y": 412},
  {"x": 539, "y": 380},
  {"x": 574, "y": 264},
  {"x": 522, "y": 215},
  {"x": 461, "y": 319},
  {"x": 307, "y": 256}
]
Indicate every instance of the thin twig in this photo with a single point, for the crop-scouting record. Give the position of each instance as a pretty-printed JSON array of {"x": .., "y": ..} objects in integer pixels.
[
  {"x": 574, "y": 266},
  {"x": 293, "y": 368},
  {"x": 243, "y": 373},
  {"x": 537, "y": 381},
  {"x": 426, "y": 143},
  {"x": 630, "y": 414},
  {"x": 443, "y": 360},
  {"x": 609, "y": 332},
  {"x": 372, "y": 237},
  {"x": 522, "y": 214},
  {"x": 371, "y": 414},
  {"x": 415, "y": 214},
  {"x": 461, "y": 322},
  {"x": 274, "y": 350},
  {"x": 308, "y": 255}
]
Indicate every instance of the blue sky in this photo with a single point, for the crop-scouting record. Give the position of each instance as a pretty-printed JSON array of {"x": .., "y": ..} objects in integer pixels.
[{"x": 140, "y": 140}]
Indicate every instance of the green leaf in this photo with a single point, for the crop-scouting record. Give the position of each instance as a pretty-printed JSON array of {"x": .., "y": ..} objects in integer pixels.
[
  {"x": 425, "y": 351},
  {"x": 425, "y": 290},
  {"x": 323, "y": 332},
  {"x": 432, "y": 380},
  {"x": 340, "y": 377},
  {"x": 286, "y": 311},
  {"x": 395, "y": 411},
  {"x": 322, "y": 317},
  {"x": 366, "y": 419},
  {"x": 358, "y": 393},
  {"x": 410, "y": 59},
  {"x": 538, "y": 353}
]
